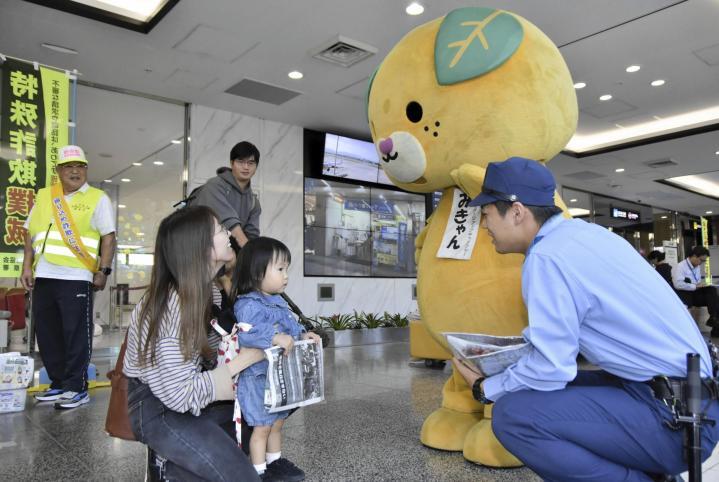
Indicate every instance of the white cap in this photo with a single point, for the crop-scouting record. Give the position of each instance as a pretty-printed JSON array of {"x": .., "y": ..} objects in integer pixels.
[{"x": 71, "y": 154}]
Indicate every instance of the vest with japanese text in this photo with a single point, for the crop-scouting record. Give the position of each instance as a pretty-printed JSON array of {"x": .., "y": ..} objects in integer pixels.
[{"x": 47, "y": 240}]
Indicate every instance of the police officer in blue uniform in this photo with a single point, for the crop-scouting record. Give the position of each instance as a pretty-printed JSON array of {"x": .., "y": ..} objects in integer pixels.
[{"x": 587, "y": 292}]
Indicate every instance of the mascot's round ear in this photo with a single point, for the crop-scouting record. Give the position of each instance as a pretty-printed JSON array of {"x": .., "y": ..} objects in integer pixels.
[
  {"x": 369, "y": 89},
  {"x": 473, "y": 41}
]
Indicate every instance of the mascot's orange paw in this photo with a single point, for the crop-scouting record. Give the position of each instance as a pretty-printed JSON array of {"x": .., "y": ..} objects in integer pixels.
[
  {"x": 447, "y": 429},
  {"x": 482, "y": 447}
]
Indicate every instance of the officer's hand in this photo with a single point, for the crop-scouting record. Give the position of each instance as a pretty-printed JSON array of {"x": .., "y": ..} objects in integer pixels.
[
  {"x": 469, "y": 374},
  {"x": 98, "y": 281},
  {"x": 26, "y": 279}
]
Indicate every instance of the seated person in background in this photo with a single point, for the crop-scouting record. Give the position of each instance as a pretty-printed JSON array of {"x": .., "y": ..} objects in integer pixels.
[
  {"x": 656, "y": 259},
  {"x": 693, "y": 289}
]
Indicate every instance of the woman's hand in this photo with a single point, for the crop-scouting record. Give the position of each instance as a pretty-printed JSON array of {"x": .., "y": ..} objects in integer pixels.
[
  {"x": 311, "y": 335},
  {"x": 246, "y": 357},
  {"x": 285, "y": 341}
]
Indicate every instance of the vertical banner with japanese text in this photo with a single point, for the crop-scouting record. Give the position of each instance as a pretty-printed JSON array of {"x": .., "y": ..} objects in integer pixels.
[
  {"x": 33, "y": 125},
  {"x": 705, "y": 243}
]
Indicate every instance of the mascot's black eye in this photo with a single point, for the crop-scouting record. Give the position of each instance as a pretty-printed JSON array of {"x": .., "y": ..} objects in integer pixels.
[{"x": 414, "y": 112}]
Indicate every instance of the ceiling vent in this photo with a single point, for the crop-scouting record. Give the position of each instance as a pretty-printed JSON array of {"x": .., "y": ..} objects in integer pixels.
[
  {"x": 343, "y": 51},
  {"x": 658, "y": 164},
  {"x": 251, "y": 89}
]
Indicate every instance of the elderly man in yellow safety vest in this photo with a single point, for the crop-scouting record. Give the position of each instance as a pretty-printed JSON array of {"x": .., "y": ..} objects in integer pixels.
[{"x": 69, "y": 247}]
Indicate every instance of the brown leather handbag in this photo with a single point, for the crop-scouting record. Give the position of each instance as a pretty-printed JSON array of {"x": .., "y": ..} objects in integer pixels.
[{"x": 117, "y": 422}]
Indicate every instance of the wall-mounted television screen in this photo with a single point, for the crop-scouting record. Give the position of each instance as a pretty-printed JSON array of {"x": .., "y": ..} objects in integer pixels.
[
  {"x": 331, "y": 155},
  {"x": 353, "y": 230}
]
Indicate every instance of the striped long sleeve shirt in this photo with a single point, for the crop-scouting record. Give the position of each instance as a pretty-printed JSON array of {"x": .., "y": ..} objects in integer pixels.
[{"x": 179, "y": 384}]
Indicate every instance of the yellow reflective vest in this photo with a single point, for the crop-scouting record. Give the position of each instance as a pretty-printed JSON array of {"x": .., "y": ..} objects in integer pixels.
[{"x": 47, "y": 240}]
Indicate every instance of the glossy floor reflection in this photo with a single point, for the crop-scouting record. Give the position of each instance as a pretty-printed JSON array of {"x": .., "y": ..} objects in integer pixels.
[{"x": 367, "y": 429}]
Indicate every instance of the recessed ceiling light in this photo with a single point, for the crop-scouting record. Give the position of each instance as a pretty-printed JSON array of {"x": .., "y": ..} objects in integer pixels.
[
  {"x": 124, "y": 179},
  {"x": 414, "y": 8},
  {"x": 59, "y": 48},
  {"x": 657, "y": 83},
  {"x": 572, "y": 200},
  {"x": 176, "y": 141},
  {"x": 580, "y": 85},
  {"x": 619, "y": 169},
  {"x": 137, "y": 164},
  {"x": 295, "y": 75},
  {"x": 633, "y": 68},
  {"x": 158, "y": 163},
  {"x": 709, "y": 212},
  {"x": 121, "y": 206},
  {"x": 605, "y": 97},
  {"x": 107, "y": 180}
]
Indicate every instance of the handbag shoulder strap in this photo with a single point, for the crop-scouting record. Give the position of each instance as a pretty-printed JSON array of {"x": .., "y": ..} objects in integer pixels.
[{"x": 120, "y": 358}]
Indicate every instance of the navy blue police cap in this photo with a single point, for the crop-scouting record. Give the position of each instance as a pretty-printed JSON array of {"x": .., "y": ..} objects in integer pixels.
[{"x": 517, "y": 179}]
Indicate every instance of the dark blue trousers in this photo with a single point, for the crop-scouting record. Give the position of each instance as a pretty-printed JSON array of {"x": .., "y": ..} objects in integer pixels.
[
  {"x": 196, "y": 447},
  {"x": 599, "y": 428},
  {"x": 62, "y": 313}
]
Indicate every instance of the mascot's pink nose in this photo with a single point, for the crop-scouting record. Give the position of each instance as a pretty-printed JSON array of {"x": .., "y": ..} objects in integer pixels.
[{"x": 385, "y": 146}]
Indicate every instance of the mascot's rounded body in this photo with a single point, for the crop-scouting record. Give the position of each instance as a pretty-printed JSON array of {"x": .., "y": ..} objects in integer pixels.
[{"x": 455, "y": 94}]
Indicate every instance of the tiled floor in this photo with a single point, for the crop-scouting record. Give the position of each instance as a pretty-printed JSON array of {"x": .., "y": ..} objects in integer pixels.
[{"x": 366, "y": 430}]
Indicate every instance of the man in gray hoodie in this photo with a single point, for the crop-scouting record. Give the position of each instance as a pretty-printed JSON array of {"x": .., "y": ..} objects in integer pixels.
[{"x": 230, "y": 194}]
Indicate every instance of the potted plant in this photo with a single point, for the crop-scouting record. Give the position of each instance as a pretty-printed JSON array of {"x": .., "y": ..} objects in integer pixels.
[{"x": 365, "y": 328}]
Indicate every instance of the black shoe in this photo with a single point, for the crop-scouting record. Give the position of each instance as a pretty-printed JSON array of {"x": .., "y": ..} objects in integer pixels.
[{"x": 283, "y": 469}]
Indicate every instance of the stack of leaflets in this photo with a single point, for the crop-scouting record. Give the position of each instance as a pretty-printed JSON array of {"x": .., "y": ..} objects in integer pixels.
[
  {"x": 490, "y": 354},
  {"x": 295, "y": 380}
]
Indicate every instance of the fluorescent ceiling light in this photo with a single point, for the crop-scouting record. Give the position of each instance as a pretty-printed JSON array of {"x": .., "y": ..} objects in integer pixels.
[
  {"x": 583, "y": 143},
  {"x": 633, "y": 68},
  {"x": 137, "y": 164},
  {"x": 605, "y": 97},
  {"x": 706, "y": 184},
  {"x": 414, "y": 8},
  {"x": 141, "y": 10},
  {"x": 158, "y": 163},
  {"x": 295, "y": 75},
  {"x": 709, "y": 212},
  {"x": 176, "y": 141},
  {"x": 619, "y": 169},
  {"x": 121, "y": 206},
  {"x": 107, "y": 180},
  {"x": 59, "y": 48},
  {"x": 128, "y": 246},
  {"x": 657, "y": 83},
  {"x": 663, "y": 217},
  {"x": 580, "y": 85},
  {"x": 124, "y": 179},
  {"x": 572, "y": 200},
  {"x": 578, "y": 212}
]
